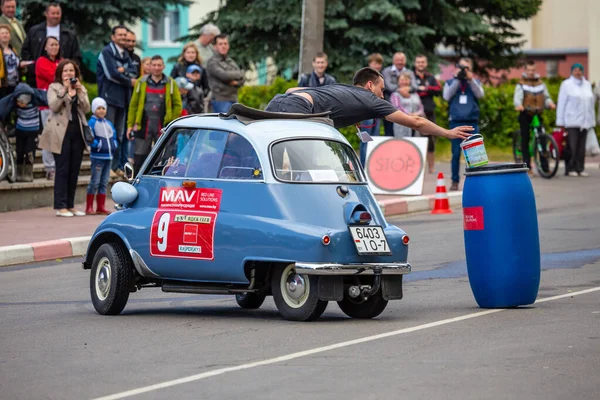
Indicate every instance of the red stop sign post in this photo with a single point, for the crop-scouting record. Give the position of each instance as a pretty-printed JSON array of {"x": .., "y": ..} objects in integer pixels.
[{"x": 394, "y": 165}]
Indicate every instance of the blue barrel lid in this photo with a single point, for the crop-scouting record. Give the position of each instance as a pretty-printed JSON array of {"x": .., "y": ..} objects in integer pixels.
[{"x": 497, "y": 168}]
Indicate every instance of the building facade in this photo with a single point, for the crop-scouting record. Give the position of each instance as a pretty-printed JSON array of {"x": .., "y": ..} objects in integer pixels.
[{"x": 562, "y": 33}]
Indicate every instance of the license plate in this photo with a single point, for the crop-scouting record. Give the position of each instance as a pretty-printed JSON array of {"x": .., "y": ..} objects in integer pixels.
[{"x": 370, "y": 240}]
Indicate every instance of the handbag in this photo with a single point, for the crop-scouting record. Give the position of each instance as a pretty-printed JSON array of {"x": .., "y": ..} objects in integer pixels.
[
  {"x": 592, "y": 148},
  {"x": 87, "y": 134}
]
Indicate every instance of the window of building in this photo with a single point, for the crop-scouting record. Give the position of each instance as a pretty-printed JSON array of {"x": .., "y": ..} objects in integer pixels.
[
  {"x": 165, "y": 29},
  {"x": 551, "y": 68}
]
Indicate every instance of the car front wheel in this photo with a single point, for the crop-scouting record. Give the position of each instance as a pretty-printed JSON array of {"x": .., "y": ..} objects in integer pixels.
[
  {"x": 366, "y": 309},
  {"x": 296, "y": 295},
  {"x": 109, "y": 279}
]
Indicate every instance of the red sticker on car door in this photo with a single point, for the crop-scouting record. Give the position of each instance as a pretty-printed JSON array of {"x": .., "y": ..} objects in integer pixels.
[
  {"x": 473, "y": 218},
  {"x": 184, "y": 224}
]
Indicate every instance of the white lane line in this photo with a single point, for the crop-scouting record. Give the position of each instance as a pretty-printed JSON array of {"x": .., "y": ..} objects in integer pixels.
[{"x": 317, "y": 350}]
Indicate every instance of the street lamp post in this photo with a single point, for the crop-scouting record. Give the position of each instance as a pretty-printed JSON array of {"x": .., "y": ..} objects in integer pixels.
[{"x": 311, "y": 37}]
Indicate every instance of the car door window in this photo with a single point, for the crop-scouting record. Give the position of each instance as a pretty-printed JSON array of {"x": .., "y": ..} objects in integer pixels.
[{"x": 206, "y": 154}]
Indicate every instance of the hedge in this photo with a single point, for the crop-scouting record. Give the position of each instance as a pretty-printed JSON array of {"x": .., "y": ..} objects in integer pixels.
[{"x": 498, "y": 118}]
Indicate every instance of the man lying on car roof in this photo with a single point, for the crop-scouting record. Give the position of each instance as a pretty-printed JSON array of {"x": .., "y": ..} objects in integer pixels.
[{"x": 349, "y": 105}]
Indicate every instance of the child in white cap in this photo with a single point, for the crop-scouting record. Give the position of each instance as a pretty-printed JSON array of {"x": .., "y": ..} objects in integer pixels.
[{"x": 102, "y": 150}]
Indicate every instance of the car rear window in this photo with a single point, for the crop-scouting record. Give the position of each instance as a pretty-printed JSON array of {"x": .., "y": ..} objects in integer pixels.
[{"x": 316, "y": 161}]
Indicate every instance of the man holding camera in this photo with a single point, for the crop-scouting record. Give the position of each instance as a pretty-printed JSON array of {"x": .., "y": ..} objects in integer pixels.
[{"x": 462, "y": 93}]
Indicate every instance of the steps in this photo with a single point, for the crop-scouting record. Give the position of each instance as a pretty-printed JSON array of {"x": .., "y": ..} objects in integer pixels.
[{"x": 40, "y": 192}]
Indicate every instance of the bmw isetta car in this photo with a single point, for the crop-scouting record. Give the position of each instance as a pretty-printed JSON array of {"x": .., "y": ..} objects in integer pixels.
[{"x": 250, "y": 203}]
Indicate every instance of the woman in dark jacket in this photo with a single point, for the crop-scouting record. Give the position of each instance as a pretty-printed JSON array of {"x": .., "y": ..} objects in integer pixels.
[{"x": 191, "y": 56}]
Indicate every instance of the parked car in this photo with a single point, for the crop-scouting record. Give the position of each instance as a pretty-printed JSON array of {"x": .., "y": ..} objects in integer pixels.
[{"x": 250, "y": 203}]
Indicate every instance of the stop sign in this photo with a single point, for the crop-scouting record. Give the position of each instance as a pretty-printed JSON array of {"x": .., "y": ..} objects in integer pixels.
[{"x": 394, "y": 165}]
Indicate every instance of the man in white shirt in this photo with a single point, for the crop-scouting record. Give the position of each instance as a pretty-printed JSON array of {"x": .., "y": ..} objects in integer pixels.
[{"x": 32, "y": 47}]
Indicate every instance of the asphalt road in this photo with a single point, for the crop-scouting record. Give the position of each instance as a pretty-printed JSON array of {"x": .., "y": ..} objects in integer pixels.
[{"x": 434, "y": 343}]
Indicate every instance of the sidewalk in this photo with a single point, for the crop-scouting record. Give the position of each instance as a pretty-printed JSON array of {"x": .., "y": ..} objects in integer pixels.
[{"x": 38, "y": 235}]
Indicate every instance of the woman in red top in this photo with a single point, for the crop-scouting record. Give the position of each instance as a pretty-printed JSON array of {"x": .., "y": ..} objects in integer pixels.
[{"x": 45, "y": 69}]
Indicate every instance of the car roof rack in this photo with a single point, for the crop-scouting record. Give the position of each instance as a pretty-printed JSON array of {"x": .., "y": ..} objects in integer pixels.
[{"x": 247, "y": 115}]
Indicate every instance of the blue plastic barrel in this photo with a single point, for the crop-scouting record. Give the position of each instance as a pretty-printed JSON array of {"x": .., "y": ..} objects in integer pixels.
[{"x": 502, "y": 241}]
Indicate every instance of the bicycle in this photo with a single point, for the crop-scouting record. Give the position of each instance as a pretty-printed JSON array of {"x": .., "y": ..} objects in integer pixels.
[
  {"x": 542, "y": 148},
  {"x": 8, "y": 166}
]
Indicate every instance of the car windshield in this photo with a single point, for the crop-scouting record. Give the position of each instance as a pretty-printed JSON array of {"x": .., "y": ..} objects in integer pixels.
[{"x": 314, "y": 160}]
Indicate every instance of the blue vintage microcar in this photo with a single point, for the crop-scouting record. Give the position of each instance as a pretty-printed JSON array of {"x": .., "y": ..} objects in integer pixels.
[{"x": 253, "y": 204}]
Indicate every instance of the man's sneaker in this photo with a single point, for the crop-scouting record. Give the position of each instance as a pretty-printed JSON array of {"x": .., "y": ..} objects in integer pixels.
[
  {"x": 64, "y": 213},
  {"x": 454, "y": 186},
  {"x": 584, "y": 174},
  {"x": 573, "y": 173}
]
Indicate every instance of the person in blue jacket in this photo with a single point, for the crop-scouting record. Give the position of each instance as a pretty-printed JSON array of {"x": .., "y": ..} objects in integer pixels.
[
  {"x": 102, "y": 150},
  {"x": 115, "y": 85},
  {"x": 463, "y": 93}
]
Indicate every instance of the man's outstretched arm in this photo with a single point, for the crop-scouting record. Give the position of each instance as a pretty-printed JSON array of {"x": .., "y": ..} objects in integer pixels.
[{"x": 427, "y": 127}]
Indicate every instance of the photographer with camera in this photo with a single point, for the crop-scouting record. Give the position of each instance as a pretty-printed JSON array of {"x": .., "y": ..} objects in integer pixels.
[
  {"x": 64, "y": 134},
  {"x": 462, "y": 93}
]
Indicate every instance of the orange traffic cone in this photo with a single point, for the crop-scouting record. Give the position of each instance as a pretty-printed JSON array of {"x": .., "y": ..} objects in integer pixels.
[{"x": 442, "y": 205}]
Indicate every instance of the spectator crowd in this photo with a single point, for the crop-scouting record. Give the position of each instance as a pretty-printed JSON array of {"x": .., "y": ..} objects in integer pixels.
[{"x": 43, "y": 97}]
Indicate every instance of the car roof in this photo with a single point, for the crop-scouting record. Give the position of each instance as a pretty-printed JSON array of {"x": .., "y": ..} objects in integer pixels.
[{"x": 262, "y": 128}]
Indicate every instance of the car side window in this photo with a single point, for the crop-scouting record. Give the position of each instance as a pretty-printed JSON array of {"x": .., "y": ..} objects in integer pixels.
[
  {"x": 240, "y": 160},
  {"x": 206, "y": 154}
]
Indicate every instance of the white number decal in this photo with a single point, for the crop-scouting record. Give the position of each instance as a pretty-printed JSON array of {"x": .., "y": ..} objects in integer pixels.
[{"x": 163, "y": 230}]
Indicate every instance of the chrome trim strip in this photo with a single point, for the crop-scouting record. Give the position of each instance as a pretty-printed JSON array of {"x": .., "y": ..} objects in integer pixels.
[
  {"x": 141, "y": 266},
  {"x": 307, "y": 268}
]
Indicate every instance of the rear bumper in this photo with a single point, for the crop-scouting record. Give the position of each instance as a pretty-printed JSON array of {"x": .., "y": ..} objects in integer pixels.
[{"x": 351, "y": 269}]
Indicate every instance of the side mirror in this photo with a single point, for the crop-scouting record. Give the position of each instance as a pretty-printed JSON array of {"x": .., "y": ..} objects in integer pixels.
[
  {"x": 123, "y": 193},
  {"x": 128, "y": 171}
]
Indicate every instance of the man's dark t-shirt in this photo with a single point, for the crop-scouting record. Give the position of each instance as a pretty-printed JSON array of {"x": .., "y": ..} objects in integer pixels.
[{"x": 348, "y": 105}]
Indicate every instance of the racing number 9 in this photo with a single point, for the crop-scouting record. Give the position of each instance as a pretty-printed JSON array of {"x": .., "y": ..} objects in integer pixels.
[{"x": 163, "y": 231}]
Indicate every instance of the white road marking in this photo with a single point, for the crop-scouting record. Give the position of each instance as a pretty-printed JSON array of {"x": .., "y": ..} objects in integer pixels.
[{"x": 317, "y": 350}]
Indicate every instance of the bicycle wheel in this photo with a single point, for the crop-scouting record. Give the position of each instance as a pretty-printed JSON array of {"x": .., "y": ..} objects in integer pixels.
[
  {"x": 546, "y": 155},
  {"x": 3, "y": 161},
  {"x": 517, "y": 154},
  {"x": 11, "y": 174}
]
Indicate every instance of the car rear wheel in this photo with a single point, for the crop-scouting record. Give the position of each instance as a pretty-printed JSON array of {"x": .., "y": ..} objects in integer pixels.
[
  {"x": 366, "y": 309},
  {"x": 109, "y": 279},
  {"x": 296, "y": 295},
  {"x": 250, "y": 301}
]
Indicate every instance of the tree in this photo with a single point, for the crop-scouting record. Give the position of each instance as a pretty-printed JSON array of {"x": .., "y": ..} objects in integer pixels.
[
  {"x": 482, "y": 29},
  {"x": 92, "y": 20}
]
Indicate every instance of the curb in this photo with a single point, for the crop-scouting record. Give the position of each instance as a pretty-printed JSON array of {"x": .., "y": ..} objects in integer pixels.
[
  {"x": 393, "y": 207},
  {"x": 77, "y": 246},
  {"x": 43, "y": 251}
]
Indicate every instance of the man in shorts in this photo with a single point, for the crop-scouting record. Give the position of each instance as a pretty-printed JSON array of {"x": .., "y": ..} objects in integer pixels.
[{"x": 349, "y": 105}]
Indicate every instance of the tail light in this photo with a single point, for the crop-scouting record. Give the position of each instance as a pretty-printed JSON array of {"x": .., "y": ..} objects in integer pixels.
[
  {"x": 326, "y": 240},
  {"x": 361, "y": 217},
  {"x": 405, "y": 240}
]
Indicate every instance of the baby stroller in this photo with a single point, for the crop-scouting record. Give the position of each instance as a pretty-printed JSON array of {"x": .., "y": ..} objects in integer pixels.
[{"x": 8, "y": 166}]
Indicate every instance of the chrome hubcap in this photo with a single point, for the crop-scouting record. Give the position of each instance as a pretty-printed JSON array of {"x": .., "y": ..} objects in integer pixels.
[
  {"x": 103, "y": 278},
  {"x": 294, "y": 288}
]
